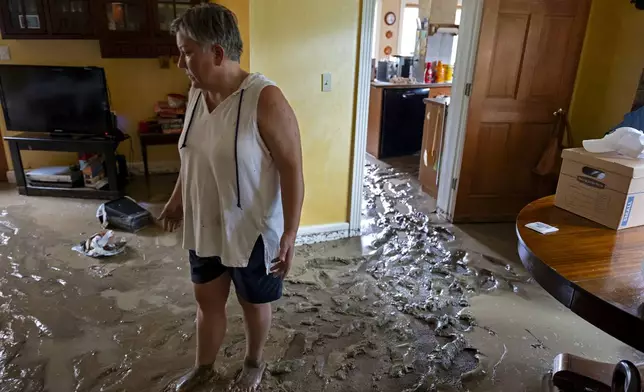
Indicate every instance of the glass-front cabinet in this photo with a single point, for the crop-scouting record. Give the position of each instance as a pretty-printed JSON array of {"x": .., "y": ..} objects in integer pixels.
[
  {"x": 23, "y": 18},
  {"x": 125, "y": 17},
  {"x": 71, "y": 17},
  {"x": 125, "y": 28},
  {"x": 169, "y": 10}
]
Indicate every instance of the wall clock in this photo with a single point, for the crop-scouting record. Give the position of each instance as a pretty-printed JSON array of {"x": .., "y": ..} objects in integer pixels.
[{"x": 390, "y": 18}]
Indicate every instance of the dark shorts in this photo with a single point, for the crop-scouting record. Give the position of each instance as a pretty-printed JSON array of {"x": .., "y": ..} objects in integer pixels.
[{"x": 252, "y": 283}]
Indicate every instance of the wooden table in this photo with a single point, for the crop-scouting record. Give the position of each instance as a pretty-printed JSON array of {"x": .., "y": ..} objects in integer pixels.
[
  {"x": 154, "y": 139},
  {"x": 594, "y": 271}
]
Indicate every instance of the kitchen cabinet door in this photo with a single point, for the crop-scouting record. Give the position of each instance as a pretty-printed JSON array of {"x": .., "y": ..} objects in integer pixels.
[
  {"x": 123, "y": 19},
  {"x": 166, "y": 11},
  {"x": 430, "y": 154},
  {"x": 23, "y": 18},
  {"x": 71, "y": 18}
]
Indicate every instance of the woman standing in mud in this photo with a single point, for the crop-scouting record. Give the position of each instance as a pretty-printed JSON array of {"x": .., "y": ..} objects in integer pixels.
[{"x": 239, "y": 192}]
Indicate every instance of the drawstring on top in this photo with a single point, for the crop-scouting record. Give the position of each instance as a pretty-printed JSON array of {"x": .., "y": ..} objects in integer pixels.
[
  {"x": 241, "y": 98},
  {"x": 185, "y": 138}
]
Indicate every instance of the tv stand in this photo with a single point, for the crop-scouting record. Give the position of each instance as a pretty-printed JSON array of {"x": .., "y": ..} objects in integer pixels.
[{"x": 47, "y": 142}]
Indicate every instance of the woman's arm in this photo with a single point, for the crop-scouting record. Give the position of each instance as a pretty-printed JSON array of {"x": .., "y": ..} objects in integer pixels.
[{"x": 279, "y": 129}]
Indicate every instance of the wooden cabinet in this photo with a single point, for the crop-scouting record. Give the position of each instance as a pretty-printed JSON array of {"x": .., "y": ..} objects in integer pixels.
[
  {"x": 139, "y": 28},
  {"x": 23, "y": 18},
  {"x": 43, "y": 19},
  {"x": 70, "y": 18},
  {"x": 395, "y": 122},
  {"x": 440, "y": 90},
  {"x": 430, "y": 154},
  {"x": 165, "y": 11},
  {"x": 125, "y": 28}
]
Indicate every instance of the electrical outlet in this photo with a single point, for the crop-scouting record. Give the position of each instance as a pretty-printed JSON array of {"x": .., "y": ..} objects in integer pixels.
[
  {"x": 326, "y": 82},
  {"x": 5, "y": 55}
]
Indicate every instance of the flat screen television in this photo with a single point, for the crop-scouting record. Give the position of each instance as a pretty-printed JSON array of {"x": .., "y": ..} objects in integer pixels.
[{"x": 66, "y": 100}]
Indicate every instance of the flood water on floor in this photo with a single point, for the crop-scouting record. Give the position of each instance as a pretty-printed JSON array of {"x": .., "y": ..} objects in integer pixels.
[{"x": 415, "y": 304}]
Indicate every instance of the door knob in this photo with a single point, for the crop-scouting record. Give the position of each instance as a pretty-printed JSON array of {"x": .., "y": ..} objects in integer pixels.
[{"x": 559, "y": 112}]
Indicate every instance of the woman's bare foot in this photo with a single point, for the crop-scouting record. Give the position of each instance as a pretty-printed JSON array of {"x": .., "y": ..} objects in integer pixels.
[
  {"x": 250, "y": 377},
  {"x": 196, "y": 377}
]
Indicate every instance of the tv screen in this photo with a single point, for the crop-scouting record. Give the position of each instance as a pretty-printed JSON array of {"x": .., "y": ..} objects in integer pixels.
[{"x": 55, "y": 99}]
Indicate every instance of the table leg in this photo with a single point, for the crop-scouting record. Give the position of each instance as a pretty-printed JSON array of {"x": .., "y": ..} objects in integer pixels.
[
  {"x": 146, "y": 169},
  {"x": 110, "y": 166},
  {"x": 573, "y": 373},
  {"x": 18, "y": 169}
]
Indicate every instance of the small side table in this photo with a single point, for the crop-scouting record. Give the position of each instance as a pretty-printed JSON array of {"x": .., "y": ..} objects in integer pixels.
[{"x": 154, "y": 139}]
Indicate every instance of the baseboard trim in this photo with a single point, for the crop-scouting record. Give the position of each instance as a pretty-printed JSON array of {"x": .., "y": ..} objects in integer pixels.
[
  {"x": 321, "y": 233},
  {"x": 305, "y": 235}
]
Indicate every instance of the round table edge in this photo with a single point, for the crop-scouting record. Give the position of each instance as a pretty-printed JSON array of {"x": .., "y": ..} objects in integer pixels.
[{"x": 602, "y": 314}]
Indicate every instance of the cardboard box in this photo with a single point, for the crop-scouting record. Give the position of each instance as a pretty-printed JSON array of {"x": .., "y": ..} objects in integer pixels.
[{"x": 605, "y": 188}]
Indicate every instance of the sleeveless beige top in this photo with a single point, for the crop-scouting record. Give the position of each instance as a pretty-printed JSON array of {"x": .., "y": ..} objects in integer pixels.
[{"x": 230, "y": 185}]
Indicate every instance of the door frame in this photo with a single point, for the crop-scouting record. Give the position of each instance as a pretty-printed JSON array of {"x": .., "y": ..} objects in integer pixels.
[
  {"x": 456, "y": 125},
  {"x": 361, "y": 119},
  {"x": 456, "y": 122}
]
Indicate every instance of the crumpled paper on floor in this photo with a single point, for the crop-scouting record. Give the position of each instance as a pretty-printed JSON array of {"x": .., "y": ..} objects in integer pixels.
[{"x": 102, "y": 244}]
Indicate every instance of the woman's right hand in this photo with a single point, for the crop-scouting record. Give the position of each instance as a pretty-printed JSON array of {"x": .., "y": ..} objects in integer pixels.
[{"x": 172, "y": 215}]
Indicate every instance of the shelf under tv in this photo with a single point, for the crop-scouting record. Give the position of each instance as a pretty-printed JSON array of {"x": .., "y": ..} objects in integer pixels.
[{"x": 69, "y": 143}]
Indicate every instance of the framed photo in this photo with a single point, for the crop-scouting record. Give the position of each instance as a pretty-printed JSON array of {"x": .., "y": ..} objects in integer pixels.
[{"x": 29, "y": 22}]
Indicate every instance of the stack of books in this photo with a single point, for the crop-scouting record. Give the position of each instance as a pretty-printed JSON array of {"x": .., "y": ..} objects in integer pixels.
[
  {"x": 91, "y": 165},
  {"x": 170, "y": 113}
]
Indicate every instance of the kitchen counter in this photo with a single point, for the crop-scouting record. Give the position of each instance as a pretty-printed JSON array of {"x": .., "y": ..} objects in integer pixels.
[
  {"x": 410, "y": 85},
  {"x": 440, "y": 101}
]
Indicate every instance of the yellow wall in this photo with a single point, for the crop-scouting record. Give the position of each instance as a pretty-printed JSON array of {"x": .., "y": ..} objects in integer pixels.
[
  {"x": 611, "y": 64},
  {"x": 241, "y": 8},
  {"x": 135, "y": 85},
  {"x": 294, "y": 42},
  {"x": 386, "y": 6}
]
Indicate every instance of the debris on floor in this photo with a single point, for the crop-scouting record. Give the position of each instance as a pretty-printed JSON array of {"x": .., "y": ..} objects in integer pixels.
[
  {"x": 415, "y": 304},
  {"x": 125, "y": 214},
  {"x": 102, "y": 244}
]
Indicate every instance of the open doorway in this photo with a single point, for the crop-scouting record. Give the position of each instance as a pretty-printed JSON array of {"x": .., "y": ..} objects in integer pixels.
[
  {"x": 413, "y": 63},
  {"x": 411, "y": 81},
  {"x": 512, "y": 71}
]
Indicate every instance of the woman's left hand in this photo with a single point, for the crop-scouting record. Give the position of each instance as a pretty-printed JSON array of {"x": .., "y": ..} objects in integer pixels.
[{"x": 282, "y": 264}]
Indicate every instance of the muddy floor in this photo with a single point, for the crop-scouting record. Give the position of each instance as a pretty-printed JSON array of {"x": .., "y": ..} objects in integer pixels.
[{"x": 415, "y": 304}]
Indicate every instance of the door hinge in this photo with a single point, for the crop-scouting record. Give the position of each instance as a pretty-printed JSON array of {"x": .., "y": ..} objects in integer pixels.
[
  {"x": 468, "y": 89},
  {"x": 454, "y": 183}
]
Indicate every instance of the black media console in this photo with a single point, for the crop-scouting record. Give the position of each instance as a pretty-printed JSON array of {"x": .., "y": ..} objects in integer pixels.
[{"x": 86, "y": 144}]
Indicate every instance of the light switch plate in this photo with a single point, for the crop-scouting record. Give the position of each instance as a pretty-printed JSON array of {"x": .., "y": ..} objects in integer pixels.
[
  {"x": 5, "y": 55},
  {"x": 326, "y": 82}
]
